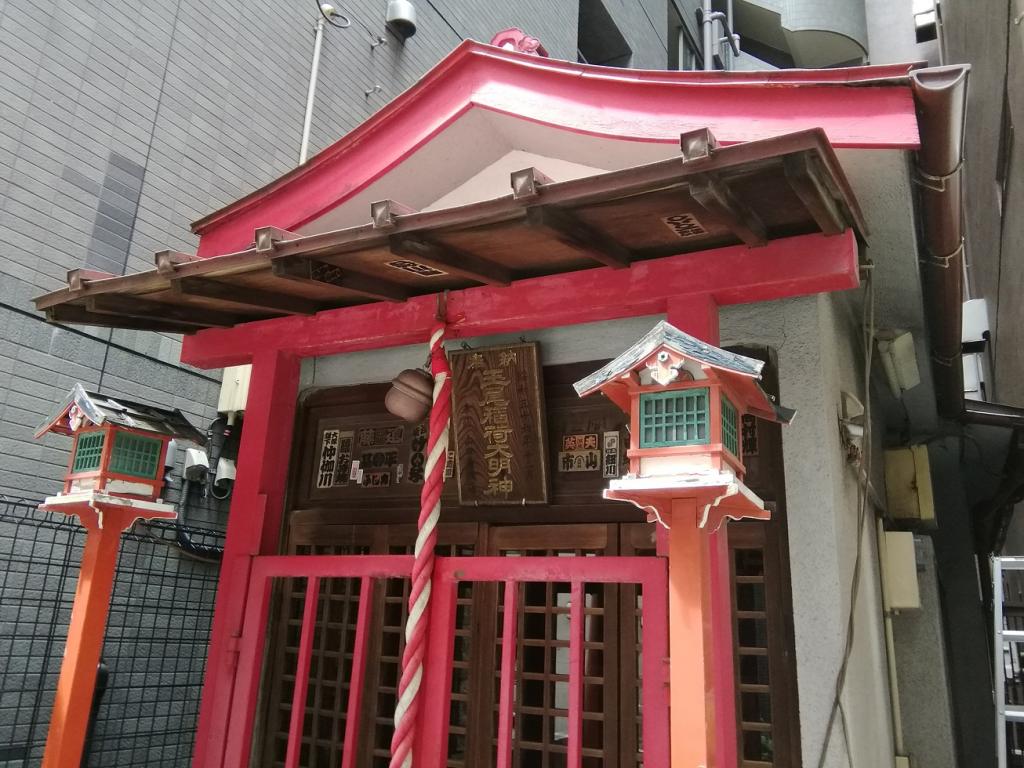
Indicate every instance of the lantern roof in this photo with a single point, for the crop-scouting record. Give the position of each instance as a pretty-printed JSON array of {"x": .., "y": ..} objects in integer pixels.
[
  {"x": 745, "y": 372},
  {"x": 102, "y": 409}
]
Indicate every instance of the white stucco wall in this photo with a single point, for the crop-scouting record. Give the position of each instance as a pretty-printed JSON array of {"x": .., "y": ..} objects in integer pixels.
[
  {"x": 816, "y": 344},
  {"x": 558, "y": 346}
]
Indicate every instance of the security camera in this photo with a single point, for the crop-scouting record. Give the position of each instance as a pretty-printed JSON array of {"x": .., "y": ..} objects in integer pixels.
[
  {"x": 197, "y": 465},
  {"x": 401, "y": 18}
]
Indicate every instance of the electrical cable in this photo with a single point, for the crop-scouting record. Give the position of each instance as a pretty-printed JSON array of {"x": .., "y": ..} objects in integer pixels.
[
  {"x": 445, "y": 19},
  {"x": 207, "y": 553},
  {"x": 863, "y": 478}
]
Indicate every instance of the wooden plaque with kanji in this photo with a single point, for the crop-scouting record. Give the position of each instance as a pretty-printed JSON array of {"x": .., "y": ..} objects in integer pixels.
[{"x": 498, "y": 421}]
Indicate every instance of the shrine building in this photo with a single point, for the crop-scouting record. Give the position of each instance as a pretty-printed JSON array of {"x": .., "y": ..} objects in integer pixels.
[{"x": 659, "y": 573}]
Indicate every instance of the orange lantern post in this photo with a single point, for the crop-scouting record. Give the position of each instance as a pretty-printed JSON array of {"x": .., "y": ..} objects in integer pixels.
[
  {"x": 685, "y": 399},
  {"x": 114, "y": 478}
]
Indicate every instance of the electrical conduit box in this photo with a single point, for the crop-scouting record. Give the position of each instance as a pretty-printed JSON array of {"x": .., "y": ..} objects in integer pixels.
[
  {"x": 908, "y": 486},
  {"x": 899, "y": 571},
  {"x": 234, "y": 389}
]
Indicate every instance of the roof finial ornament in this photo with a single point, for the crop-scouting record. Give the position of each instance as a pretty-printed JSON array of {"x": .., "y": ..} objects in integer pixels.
[{"x": 514, "y": 39}]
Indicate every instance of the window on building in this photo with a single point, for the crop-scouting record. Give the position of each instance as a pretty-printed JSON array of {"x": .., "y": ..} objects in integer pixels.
[
  {"x": 598, "y": 39},
  {"x": 925, "y": 20},
  {"x": 683, "y": 52}
]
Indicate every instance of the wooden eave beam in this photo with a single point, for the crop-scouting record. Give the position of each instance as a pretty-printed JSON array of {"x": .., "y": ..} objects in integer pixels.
[
  {"x": 450, "y": 259},
  {"x": 807, "y": 181},
  {"x": 592, "y": 189},
  {"x": 568, "y": 229},
  {"x": 73, "y": 313},
  {"x": 329, "y": 276},
  {"x": 712, "y": 192},
  {"x": 257, "y": 298},
  {"x": 146, "y": 309}
]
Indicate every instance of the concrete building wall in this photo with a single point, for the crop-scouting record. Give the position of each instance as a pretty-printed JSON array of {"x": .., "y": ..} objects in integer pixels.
[
  {"x": 892, "y": 36},
  {"x": 818, "y": 359},
  {"x": 814, "y": 33},
  {"x": 123, "y": 122},
  {"x": 925, "y": 697},
  {"x": 988, "y": 35}
]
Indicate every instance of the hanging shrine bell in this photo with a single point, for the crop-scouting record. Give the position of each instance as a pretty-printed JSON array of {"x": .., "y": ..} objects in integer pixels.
[
  {"x": 114, "y": 478},
  {"x": 685, "y": 400}
]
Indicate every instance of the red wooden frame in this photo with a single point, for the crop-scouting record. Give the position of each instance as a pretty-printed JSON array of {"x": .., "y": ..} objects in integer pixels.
[
  {"x": 688, "y": 288},
  {"x": 787, "y": 267},
  {"x": 431, "y": 745}
]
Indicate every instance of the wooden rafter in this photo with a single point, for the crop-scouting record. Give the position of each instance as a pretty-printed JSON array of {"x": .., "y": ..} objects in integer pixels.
[
  {"x": 575, "y": 232},
  {"x": 329, "y": 276},
  {"x": 73, "y": 313},
  {"x": 146, "y": 309},
  {"x": 450, "y": 259},
  {"x": 245, "y": 296},
  {"x": 564, "y": 212},
  {"x": 712, "y": 192},
  {"x": 809, "y": 184}
]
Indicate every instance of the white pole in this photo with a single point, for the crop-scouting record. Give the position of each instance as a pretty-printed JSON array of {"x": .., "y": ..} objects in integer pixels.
[
  {"x": 708, "y": 28},
  {"x": 307, "y": 123}
]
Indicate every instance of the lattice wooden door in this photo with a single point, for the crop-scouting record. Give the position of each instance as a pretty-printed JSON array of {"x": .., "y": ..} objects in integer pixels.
[{"x": 609, "y": 715}]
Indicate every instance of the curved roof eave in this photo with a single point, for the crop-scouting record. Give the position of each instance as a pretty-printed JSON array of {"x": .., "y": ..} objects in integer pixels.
[{"x": 604, "y": 101}]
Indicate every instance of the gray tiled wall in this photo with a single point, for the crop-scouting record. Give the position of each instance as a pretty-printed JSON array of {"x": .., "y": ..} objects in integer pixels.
[{"x": 123, "y": 121}]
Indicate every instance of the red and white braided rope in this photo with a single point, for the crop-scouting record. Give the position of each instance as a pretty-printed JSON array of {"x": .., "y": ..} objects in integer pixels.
[{"x": 407, "y": 709}]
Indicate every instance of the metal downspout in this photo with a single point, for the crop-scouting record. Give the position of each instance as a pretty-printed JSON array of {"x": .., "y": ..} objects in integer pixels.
[{"x": 940, "y": 94}]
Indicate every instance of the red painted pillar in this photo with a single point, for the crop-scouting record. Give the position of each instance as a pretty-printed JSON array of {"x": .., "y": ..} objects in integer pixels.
[
  {"x": 254, "y": 528},
  {"x": 70, "y": 719},
  {"x": 698, "y": 316}
]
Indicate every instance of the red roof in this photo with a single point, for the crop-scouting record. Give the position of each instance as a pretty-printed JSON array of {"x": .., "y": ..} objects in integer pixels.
[{"x": 870, "y": 107}]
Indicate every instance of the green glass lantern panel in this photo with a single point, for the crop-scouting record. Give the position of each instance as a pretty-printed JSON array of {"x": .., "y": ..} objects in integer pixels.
[
  {"x": 88, "y": 452},
  {"x": 730, "y": 431},
  {"x": 677, "y": 417},
  {"x": 135, "y": 455}
]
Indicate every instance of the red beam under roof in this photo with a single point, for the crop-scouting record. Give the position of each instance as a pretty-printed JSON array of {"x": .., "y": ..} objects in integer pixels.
[
  {"x": 783, "y": 268},
  {"x": 869, "y": 107}
]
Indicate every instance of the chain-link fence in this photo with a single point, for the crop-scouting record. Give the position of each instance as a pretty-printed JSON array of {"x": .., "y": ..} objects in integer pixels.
[{"x": 154, "y": 653}]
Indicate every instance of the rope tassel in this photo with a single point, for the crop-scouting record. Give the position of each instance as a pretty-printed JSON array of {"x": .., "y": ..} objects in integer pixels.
[{"x": 407, "y": 709}]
